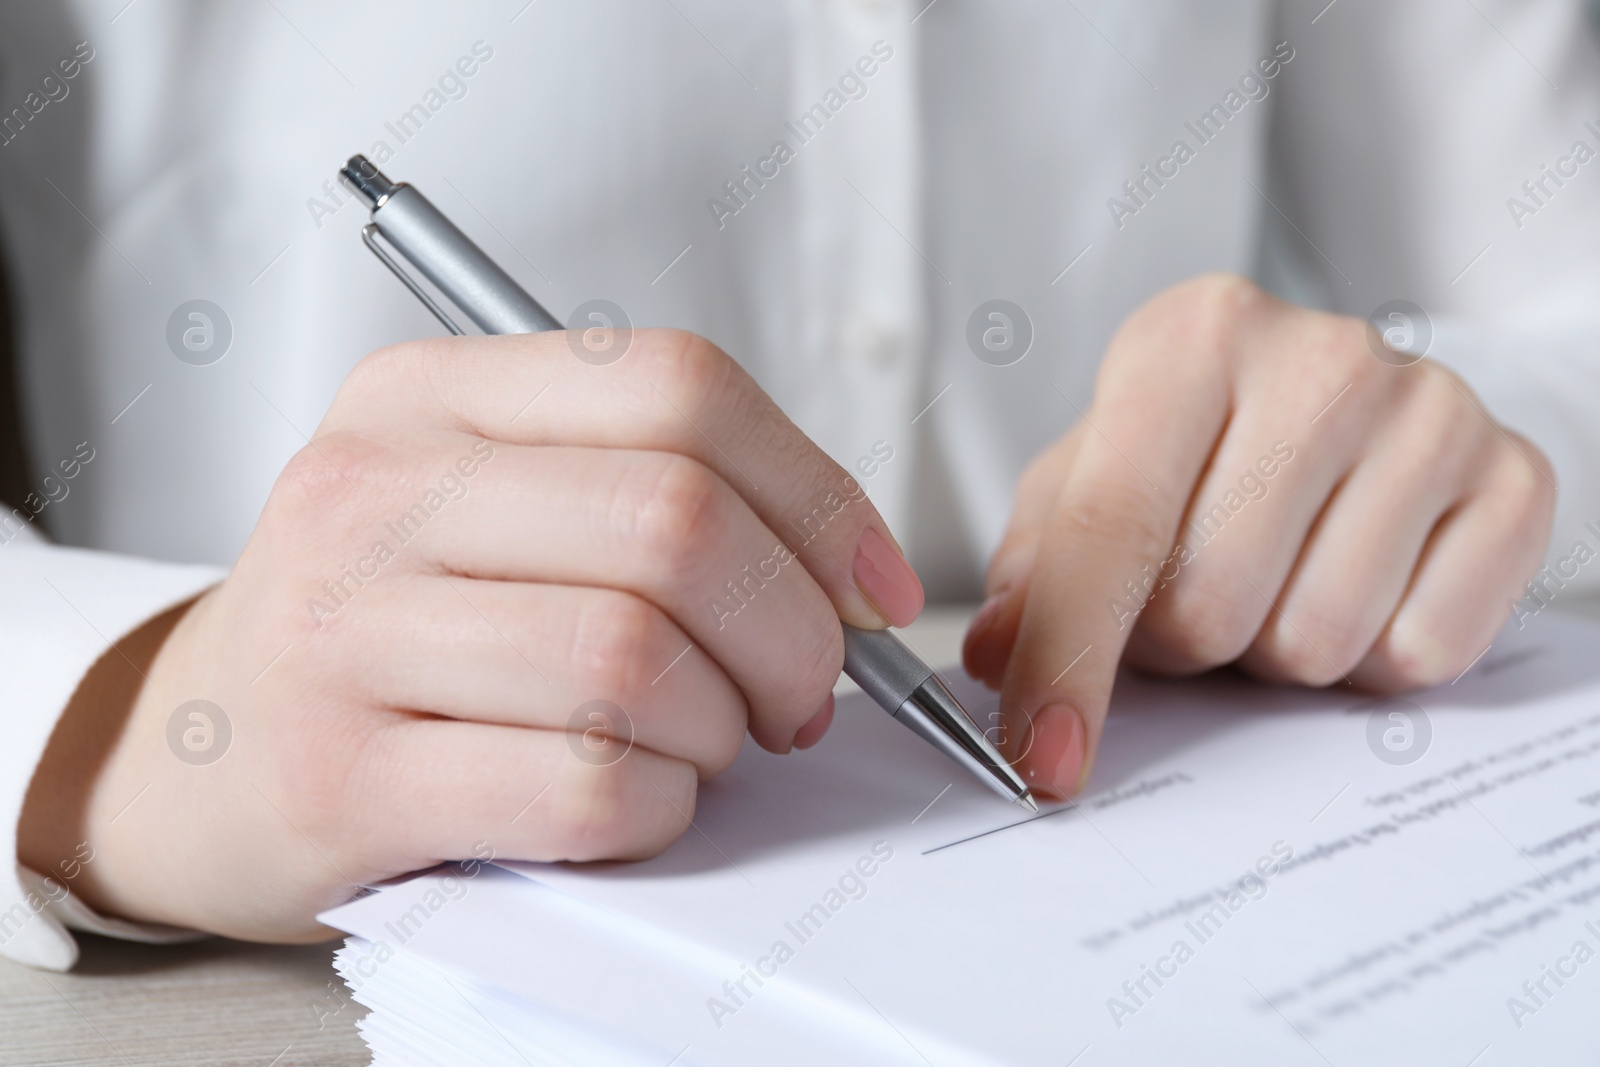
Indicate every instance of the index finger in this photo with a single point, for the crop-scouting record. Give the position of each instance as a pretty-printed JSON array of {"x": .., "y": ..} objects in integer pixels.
[
  {"x": 1109, "y": 530},
  {"x": 671, "y": 391}
]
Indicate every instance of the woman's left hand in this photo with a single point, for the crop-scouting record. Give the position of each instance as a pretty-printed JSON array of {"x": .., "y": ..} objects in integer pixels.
[{"x": 1253, "y": 485}]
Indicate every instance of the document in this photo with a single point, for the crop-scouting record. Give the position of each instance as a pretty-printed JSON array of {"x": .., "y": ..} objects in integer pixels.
[{"x": 1255, "y": 875}]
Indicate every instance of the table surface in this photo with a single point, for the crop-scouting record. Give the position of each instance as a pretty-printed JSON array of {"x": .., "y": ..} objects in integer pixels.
[{"x": 229, "y": 1003}]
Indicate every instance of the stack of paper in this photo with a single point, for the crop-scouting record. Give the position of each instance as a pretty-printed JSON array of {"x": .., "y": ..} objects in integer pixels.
[{"x": 1258, "y": 875}]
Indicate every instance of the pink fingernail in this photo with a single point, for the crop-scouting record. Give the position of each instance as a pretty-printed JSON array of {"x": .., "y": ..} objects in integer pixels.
[
  {"x": 887, "y": 580},
  {"x": 1055, "y": 760},
  {"x": 984, "y": 619},
  {"x": 983, "y": 659},
  {"x": 813, "y": 731}
]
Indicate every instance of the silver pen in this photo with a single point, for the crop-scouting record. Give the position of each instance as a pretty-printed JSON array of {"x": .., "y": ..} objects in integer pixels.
[{"x": 876, "y": 660}]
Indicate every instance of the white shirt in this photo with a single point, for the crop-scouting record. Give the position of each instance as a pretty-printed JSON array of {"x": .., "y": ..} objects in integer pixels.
[{"x": 995, "y": 150}]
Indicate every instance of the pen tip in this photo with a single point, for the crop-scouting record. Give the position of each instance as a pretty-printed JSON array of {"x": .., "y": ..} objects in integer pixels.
[{"x": 1027, "y": 801}]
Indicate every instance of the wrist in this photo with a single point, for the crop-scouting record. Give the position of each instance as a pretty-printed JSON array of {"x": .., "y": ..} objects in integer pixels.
[{"x": 56, "y": 835}]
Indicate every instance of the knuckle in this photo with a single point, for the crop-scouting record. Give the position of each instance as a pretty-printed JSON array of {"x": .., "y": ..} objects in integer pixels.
[
  {"x": 1222, "y": 292},
  {"x": 1340, "y": 345},
  {"x": 1114, "y": 513},
  {"x": 1441, "y": 413},
  {"x": 806, "y": 657},
  {"x": 695, "y": 367},
  {"x": 1331, "y": 357},
  {"x": 374, "y": 376},
  {"x": 1199, "y": 627},
  {"x": 703, "y": 389},
  {"x": 1440, "y": 392},
  {"x": 1345, "y": 340},
  {"x": 395, "y": 376},
  {"x": 671, "y": 822},
  {"x": 1414, "y": 657},
  {"x": 1310, "y": 650},
  {"x": 324, "y": 479},
  {"x": 1434, "y": 438},
  {"x": 818, "y": 658},
  {"x": 680, "y": 515},
  {"x": 592, "y": 813},
  {"x": 612, "y": 812},
  {"x": 724, "y": 748},
  {"x": 1209, "y": 309},
  {"x": 308, "y": 487},
  {"x": 614, "y": 637},
  {"x": 1525, "y": 480}
]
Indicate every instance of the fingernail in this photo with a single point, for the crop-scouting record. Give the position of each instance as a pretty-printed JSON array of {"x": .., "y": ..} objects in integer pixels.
[
  {"x": 1054, "y": 762},
  {"x": 887, "y": 580},
  {"x": 813, "y": 731},
  {"x": 983, "y": 621},
  {"x": 982, "y": 660}
]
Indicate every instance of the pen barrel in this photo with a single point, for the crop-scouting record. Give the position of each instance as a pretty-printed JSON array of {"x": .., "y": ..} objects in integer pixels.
[
  {"x": 882, "y": 665},
  {"x": 449, "y": 259}
]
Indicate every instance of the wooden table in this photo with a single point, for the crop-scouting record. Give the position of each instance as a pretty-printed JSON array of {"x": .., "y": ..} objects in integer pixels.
[
  {"x": 229, "y": 1003},
  {"x": 213, "y": 1002}
]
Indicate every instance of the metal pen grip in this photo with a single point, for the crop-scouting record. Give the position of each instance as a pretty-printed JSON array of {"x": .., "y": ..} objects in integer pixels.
[{"x": 882, "y": 665}]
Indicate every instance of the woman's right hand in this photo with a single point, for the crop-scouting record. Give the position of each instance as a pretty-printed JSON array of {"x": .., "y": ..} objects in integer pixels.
[{"x": 484, "y": 536}]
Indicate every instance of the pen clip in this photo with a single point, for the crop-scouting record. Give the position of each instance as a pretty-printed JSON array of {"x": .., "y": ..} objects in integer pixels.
[{"x": 369, "y": 236}]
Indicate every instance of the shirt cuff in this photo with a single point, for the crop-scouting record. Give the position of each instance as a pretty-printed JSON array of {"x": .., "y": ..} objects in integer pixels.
[{"x": 60, "y": 610}]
